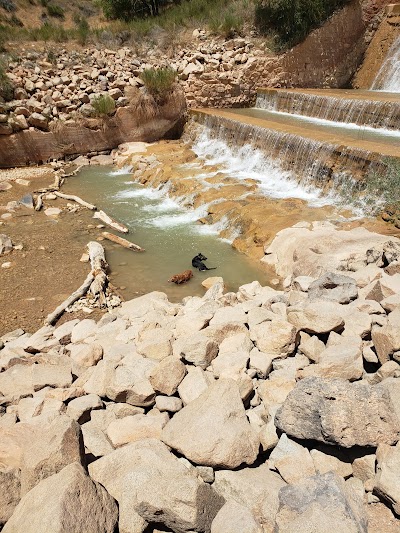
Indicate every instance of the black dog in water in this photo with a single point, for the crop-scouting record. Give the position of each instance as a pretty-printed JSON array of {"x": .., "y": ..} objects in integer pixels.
[{"x": 197, "y": 262}]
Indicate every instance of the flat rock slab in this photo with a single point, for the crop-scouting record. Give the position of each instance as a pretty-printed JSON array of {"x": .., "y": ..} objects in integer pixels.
[{"x": 338, "y": 412}]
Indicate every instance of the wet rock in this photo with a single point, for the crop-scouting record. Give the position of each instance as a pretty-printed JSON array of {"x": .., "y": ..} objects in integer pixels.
[
  {"x": 147, "y": 478},
  {"x": 213, "y": 429},
  {"x": 68, "y": 501},
  {"x": 320, "y": 503},
  {"x": 338, "y": 412}
]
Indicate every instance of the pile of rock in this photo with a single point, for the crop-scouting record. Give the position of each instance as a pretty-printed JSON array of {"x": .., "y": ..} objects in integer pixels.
[
  {"x": 216, "y": 73},
  {"x": 261, "y": 410}
]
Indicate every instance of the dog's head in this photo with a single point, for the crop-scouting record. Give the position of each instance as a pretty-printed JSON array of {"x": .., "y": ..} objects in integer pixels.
[{"x": 201, "y": 257}]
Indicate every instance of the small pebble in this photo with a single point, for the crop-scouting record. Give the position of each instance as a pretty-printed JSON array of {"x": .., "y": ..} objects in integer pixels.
[{"x": 6, "y": 265}]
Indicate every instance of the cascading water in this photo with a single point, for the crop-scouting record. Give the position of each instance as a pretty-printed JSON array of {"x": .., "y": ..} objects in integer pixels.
[
  {"x": 372, "y": 113},
  {"x": 388, "y": 77},
  {"x": 285, "y": 165}
]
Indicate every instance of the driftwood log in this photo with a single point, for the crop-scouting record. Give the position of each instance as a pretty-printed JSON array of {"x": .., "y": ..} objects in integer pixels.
[
  {"x": 110, "y": 222},
  {"x": 99, "y": 271},
  {"x": 95, "y": 282},
  {"x": 76, "y": 199},
  {"x": 122, "y": 242},
  {"x": 52, "y": 317}
]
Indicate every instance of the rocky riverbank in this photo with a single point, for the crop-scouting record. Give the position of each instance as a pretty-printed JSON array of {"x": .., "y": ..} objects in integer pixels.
[{"x": 260, "y": 410}]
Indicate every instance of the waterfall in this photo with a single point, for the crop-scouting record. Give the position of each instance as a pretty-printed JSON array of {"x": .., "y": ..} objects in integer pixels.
[
  {"x": 388, "y": 77},
  {"x": 363, "y": 112},
  {"x": 284, "y": 164}
]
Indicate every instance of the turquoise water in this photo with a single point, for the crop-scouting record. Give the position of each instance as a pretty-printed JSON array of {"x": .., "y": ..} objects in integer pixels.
[{"x": 170, "y": 235}]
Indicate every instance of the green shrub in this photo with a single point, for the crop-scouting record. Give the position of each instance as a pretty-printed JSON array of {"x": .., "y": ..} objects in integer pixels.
[
  {"x": 292, "y": 20},
  {"x": 382, "y": 187},
  {"x": 55, "y": 11},
  {"x": 103, "y": 105},
  {"x": 82, "y": 29},
  {"x": 6, "y": 88},
  {"x": 48, "y": 32},
  {"x": 159, "y": 82}
]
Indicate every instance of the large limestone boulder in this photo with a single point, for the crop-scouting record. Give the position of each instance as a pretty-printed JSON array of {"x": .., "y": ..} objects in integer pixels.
[
  {"x": 319, "y": 316},
  {"x": 147, "y": 478},
  {"x": 197, "y": 348},
  {"x": 316, "y": 248},
  {"x": 320, "y": 503},
  {"x": 65, "y": 502},
  {"x": 338, "y": 412},
  {"x": 335, "y": 287},
  {"x": 276, "y": 337},
  {"x": 213, "y": 429},
  {"x": 53, "y": 445},
  {"x": 167, "y": 375}
]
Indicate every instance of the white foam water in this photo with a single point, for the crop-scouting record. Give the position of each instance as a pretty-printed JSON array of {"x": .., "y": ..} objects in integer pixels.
[
  {"x": 248, "y": 162},
  {"x": 388, "y": 77},
  {"x": 121, "y": 171}
]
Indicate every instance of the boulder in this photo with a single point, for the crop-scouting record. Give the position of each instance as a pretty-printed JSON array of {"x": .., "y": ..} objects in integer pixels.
[
  {"x": 37, "y": 120},
  {"x": 318, "y": 316},
  {"x": 343, "y": 360},
  {"x": 197, "y": 348},
  {"x": 234, "y": 517},
  {"x": 292, "y": 460},
  {"x": 155, "y": 343},
  {"x": 387, "y": 482},
  {"x": 95, "y": 440},
  {"x": 167, "y": 375},
  {"x": 276, "y": 337},
  {"x": 320, "y": 503},
  {"x": 194, "y": 383},
  {"x": 134, "y": 428},
  {"x": 80, "y": 408},
  {"x": 338, "y": 412},
  {"x": 65, "y": 502},
  {"x": 52, "y": 446},
  {"x": 213, "y": 429},
  {"x": 10, "y": 492},
  {"x": 386, "y": 339},
  {"x": 334, "y": 287},
  {"x": 147, "y": 478},
  {"x": 126, "y": 386},
  {"x": 256, "y": 488}
]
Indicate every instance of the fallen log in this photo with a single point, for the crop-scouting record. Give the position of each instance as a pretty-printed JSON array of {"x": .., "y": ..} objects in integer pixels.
[
  {"x": 52, "y": 317},
  {"x": 110, "y": 222},
  {"x": 75, "y": 199},
  {"x": 122, "y": 242}
]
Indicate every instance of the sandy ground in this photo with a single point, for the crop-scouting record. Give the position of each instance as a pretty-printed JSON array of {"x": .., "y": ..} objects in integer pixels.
[{"x": 47, "y": 269}]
